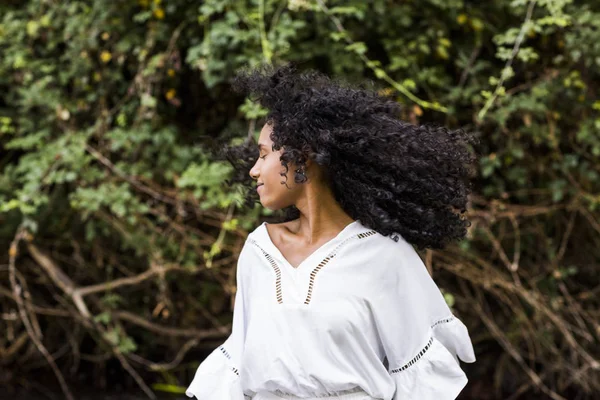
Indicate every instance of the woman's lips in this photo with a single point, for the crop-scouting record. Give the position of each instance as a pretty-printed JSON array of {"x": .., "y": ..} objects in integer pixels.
[{"x": 258, "y": 187}]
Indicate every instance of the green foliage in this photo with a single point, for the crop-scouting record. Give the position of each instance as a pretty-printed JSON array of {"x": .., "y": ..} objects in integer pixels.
[
  {"x": 106, "y": 107},
  {"x": 123, "y": 343}
]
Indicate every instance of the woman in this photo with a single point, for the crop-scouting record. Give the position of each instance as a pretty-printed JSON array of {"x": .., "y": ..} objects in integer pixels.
[{"x": 334, "y": 302}]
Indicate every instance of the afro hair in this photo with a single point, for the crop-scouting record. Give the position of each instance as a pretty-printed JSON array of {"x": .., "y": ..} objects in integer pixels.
[{"x": 393, "y": 176}]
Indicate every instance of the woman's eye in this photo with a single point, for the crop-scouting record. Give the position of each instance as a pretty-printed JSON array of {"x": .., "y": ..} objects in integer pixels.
[{"x": 263, "y": 157}]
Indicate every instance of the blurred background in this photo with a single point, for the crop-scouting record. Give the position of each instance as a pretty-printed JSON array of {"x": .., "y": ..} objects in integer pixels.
[{"x": 119, "y": 238}]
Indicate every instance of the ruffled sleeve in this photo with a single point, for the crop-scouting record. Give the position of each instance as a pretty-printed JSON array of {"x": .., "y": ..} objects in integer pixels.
[
  {"x": 423, "y": 341},
  {"x": 218, "y": 376}
]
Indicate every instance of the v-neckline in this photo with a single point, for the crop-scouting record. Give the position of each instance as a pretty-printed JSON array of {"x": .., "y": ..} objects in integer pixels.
[{"x": 311, "y": 255}]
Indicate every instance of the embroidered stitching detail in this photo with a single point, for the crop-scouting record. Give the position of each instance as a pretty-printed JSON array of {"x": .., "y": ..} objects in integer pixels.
[
  {"x": 226, "y": 354},
  {"x": 442, "y": 321},
  {"x": 427, "y": 346},
  {"x": 415, "y": 358},
  {"x": 278, "y": 292},
  {"x": 331, "y": 255}
]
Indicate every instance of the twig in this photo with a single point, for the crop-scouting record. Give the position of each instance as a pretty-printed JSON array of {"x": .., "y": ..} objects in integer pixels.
[
  {"x": 68, "y": 287},
  {"x": 59, "y": 278},
  {"x": 7, "y": 354},
  {"x": 497, "y": 332},
  {"x": 492, "y": 278},
  {"x": 13, "y": 251},
  {"x": 133, "y": 182},
  {"x": 472, "y": 58},
  {"x": 591, "y": 219},
  {"x": 168, "y": 331},
  {"x": 511, "y": 267},
  {"x": 379, "y": 72},
  {"x": 166, "y": 366},
  {"x": 37, "y": 309},
  {"x": 509, "y": 62},
  {"x": 565, "y": 239}
]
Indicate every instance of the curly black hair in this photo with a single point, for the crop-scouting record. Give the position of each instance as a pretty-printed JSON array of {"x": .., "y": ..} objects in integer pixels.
[{"x": 393, "y": 176}]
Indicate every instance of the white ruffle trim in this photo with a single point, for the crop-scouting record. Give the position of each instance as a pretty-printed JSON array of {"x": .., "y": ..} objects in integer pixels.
[
  {"x": 215, "y": 379},
  {"x": 455, "y": 337},
  {"x": 435, "y": 374}
]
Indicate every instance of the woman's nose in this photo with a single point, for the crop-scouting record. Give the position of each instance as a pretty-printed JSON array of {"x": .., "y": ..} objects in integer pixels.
[{"x": 253, "y": 173}]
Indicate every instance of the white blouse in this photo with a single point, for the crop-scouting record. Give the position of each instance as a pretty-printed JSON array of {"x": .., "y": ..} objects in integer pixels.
[{"x": 324, "y": 328}]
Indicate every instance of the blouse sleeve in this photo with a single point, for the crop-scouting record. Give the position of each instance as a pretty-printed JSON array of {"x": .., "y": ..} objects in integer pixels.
[
  {"x": 217, "y": 377},
  {"x": 421, "y": 338}
]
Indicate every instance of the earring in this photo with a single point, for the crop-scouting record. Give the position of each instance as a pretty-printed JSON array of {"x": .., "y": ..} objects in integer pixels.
[{"x": 302, "y": 173}]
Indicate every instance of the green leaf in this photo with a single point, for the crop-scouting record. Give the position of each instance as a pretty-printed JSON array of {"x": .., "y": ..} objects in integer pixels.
[
  {"x": 103, "y": 317},
  {"x": 148, "y": 100},
  {"x": 357, "y": 47}
]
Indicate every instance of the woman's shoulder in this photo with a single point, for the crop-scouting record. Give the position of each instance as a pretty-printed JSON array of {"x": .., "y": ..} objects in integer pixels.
[
  {"x": 389, "y": 246},
  {"x": 394, "y": 257}
]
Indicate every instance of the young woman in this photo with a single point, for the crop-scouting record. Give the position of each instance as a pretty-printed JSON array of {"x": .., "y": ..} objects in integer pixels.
[{"x": 334, "y": 302}]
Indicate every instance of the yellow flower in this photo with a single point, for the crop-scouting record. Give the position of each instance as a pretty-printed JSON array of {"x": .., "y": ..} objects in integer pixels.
[
  {"x": 159, "y": 13},
  {"x": 171, "y": 72},
  {"x": 170, "y": 94},
  {"x": 105, "y": 36},
  {"x": 417, "y": 110},
  {"x": 461, "y": 19},
  {"x": 105, "y": 56},
  {"x": 476, "y": 24},
  {"x": 445, "y": 42}
]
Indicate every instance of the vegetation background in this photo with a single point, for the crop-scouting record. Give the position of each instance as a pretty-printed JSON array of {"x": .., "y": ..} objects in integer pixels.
[{"x": 119, "y": 239}]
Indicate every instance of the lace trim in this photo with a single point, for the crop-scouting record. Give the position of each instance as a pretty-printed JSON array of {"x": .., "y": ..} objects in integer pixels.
[
  {"x": 424, "y": 349},
  {"x": 226, "y": 354},
  {"x": 278, "y": 293},
  {"x": 313, "y": 274},
  {"x": 331, "y": 255},
  {"x": 415, "y": 359},
  {"x": 442, "y": 321}
]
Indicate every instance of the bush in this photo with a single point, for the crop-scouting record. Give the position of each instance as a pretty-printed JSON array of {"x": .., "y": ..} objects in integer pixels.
[{"x": 123, "y": 238}]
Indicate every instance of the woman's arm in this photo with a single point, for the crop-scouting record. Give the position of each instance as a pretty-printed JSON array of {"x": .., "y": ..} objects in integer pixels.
[
  {"x": 421, "y": 337},
  {"x": 217, "y": 377}
]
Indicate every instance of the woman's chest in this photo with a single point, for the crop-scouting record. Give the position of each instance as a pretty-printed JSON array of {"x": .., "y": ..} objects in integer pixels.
[
  {"x": 318, "y": 309},
  {"x": 335, "y": 319},
  {"x": 323, "y": 299},
  {"x": 331, "y": 283}
]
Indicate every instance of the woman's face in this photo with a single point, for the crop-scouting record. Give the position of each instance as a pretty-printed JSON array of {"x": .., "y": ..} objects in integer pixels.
[{"x": 269, "y": 173}]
